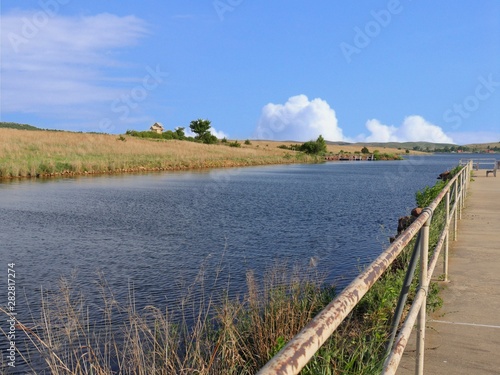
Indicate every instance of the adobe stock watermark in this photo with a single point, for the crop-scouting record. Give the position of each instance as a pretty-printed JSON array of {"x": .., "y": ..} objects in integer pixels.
[
  {"x": 224, "y": 6},
  {"x": 274, "y": 125},
  {"x": 372, "y": 29},
  {"x": 31, "y": 26},
  {"x": 470, "y": 104},
  {"x": 131, "y": 100},
  {"x": 394, "y": 180}
]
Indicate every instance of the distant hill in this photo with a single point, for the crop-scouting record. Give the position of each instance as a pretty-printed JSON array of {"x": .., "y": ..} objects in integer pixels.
[
  {"x": 418, "y": 146},
  {"x": 486, "y": 146},
  {"x": 399, "y": 145},
  {"x": 426, "y": 146},
  {"x": 15, "y": 125},
  {"x": 411, "y": 145}
]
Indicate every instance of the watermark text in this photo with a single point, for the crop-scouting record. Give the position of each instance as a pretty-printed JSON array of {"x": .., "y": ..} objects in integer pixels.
[
  {"x": 364, "y": 36},
  {"x": 31, "y": 26},
  {"x": 11, "y": 309},
  {"x": 482, "y": 92},
  {"x": 224, "y": 6}
]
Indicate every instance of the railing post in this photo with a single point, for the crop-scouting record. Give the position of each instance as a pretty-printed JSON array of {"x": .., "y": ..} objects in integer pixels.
[
  {"x": 424, "y": 256},
  {"x": 468, "y": 174},
  {"x": 446, "y": 243},
  {"x": 403, "y": 296},
  {"x": 460, "y": 200},
  {"x": 464, "y": 184},
  {"x": 464, "y": 175},
  {"x": 455, "y": 214}
]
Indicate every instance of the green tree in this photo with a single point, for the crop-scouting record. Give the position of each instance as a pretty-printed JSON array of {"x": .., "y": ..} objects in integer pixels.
[
  {"x": 365, "y": 150},
  {"x": 314, "y": 147},
  {"x": 321, "y": 144},
  {"x": 179, "y": 132},
  {"x": 200, "y": 127},
  {"x": 209, "y": 138}
]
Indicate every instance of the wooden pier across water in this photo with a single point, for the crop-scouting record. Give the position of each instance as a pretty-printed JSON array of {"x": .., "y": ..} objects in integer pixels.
[{"x": 350, "y": 157}]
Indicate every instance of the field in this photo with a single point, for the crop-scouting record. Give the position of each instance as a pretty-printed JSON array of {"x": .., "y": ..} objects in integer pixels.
[
  {"x": 483, "y": 147},
  {"x": 25, "y": 153}
]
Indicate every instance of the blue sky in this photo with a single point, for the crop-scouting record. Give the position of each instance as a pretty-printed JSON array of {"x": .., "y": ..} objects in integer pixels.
[{"x": 396, "y": 70}]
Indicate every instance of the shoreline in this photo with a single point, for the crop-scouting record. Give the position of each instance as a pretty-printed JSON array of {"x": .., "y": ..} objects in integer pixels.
[
  {"x": 139, "y": 170},
  {"x": 28, "y": 154}
]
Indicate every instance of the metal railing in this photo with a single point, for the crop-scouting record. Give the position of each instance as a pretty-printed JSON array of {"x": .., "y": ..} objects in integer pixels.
[
  {"x": 490, "y": 164},
  {"x": 298, "y": 351}
]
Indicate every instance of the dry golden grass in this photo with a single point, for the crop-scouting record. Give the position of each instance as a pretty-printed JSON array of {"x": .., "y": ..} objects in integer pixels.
[
  {"x": 30, "y": 153},
  {"x": 26, "y": 153}
]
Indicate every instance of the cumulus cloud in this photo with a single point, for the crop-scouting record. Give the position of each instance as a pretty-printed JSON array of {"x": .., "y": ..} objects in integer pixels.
[
  {"x": 299, "y": 119},
  {"x": 218, "y": 133},
  {"x": 414, "y": 129}
]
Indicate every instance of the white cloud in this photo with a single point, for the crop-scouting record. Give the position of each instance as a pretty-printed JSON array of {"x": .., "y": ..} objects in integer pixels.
[
  {"x": 56, "y": 65},
  {"x": 414, "y": 129},
  {"x": 218, "y": 133},
  {"x": 380, "y": 132},
  {"x": 299, "y": 119}
]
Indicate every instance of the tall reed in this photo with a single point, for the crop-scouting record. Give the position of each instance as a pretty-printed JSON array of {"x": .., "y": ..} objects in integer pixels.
[
  {"x": 212, "y": 334},
  {"x": 232, "y": 336}
]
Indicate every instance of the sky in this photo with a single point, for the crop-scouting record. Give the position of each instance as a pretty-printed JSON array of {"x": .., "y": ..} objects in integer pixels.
[{"x": 354, "y": 71}]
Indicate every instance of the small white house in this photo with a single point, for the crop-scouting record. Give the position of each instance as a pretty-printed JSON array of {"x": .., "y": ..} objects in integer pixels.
[{"x": 157, "y": 127}]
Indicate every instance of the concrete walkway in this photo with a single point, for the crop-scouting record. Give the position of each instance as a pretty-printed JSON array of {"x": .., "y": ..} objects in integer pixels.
[{"x": 463, "y": 337}]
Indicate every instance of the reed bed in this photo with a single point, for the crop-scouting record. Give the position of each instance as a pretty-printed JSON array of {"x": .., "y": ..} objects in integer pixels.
[{"x": 211, "y": 334}]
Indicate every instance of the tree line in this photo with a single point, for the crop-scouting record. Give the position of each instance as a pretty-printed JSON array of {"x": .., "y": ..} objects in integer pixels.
[{"x": 200, "y": 127}]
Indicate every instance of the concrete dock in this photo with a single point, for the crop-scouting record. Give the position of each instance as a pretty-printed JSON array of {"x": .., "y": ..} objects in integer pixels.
[{"x": 463, "y": 336}]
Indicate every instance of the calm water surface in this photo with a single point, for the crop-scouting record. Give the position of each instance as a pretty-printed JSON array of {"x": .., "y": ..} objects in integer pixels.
[{"x": 155, "y": 232}]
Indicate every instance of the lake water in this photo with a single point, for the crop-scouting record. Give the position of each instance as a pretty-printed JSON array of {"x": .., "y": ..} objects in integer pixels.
[{"x": 154, "y": 232}]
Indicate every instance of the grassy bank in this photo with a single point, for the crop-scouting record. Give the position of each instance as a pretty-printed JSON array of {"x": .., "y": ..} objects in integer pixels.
[{"x": 26, "y": 153}]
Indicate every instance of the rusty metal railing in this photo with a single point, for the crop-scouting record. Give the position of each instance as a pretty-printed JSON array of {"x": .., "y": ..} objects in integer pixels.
[
  {"x": 297, "y": 352},
  {"x": 491, "y": 165}
]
